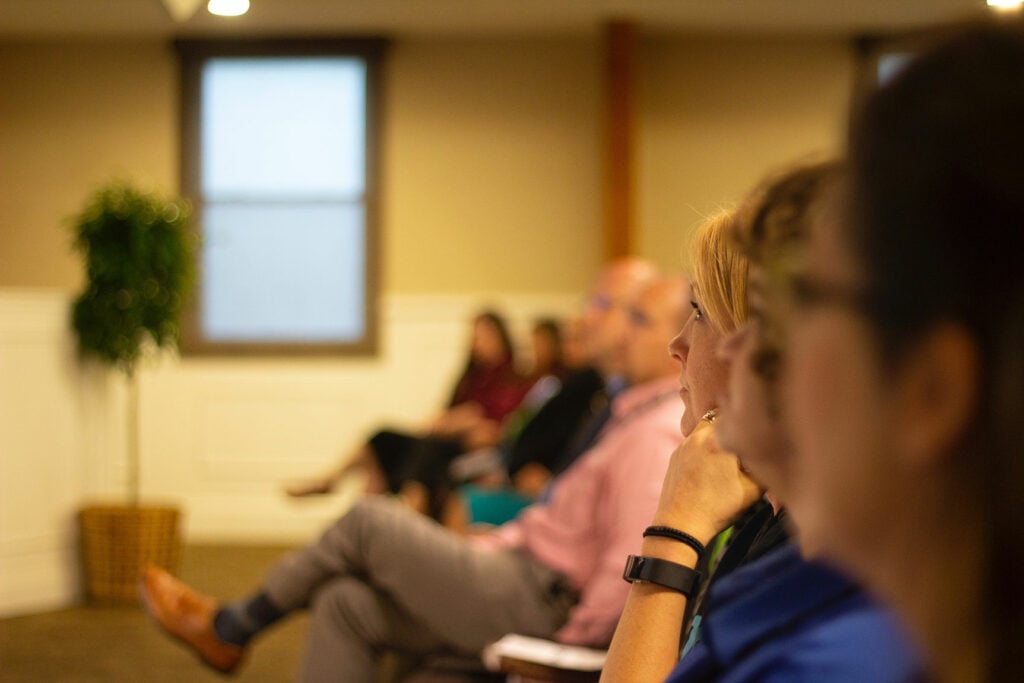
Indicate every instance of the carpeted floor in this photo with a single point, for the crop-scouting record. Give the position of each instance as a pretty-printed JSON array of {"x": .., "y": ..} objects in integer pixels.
[{"x": 120, "y": 644}]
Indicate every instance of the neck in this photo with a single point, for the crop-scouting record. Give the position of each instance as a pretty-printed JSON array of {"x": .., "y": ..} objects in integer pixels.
[{"x": 932, "y": 573}]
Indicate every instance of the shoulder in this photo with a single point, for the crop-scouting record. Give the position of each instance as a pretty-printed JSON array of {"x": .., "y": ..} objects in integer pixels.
[
  {"x": 583, "y": 380},
  {"x": 858, "y": 642},
  {"x": 851, "y": 640},
  {"x": 783, "y": 618}
]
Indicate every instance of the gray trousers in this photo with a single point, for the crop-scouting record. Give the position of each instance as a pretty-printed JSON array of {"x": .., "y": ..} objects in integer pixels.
[{"x": 384, "y": 577}]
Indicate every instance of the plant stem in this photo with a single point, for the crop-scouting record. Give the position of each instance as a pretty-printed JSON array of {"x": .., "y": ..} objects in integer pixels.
[{"x": 133, "y": 437}]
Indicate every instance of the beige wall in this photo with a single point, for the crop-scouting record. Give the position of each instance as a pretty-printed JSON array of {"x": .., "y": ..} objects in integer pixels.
[
  {"x": 492, "y": 149},
  {"x": 71, "y": 116},
  {"x": 718, "y": 114},
  {"x": 492, "y": 191},
  {"x": 492, "y": 175}
]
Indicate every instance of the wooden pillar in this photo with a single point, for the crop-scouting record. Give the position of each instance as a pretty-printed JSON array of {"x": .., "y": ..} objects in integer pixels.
[{"x": 620, "y": 48}]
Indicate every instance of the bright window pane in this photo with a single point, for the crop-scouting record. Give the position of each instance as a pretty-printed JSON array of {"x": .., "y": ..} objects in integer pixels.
[
  {"x": 281, "y": 192},
  {"x": 283, "y": 128},
  {"x": 891, "y": 64},
  {"x": 283, "y": 273}
]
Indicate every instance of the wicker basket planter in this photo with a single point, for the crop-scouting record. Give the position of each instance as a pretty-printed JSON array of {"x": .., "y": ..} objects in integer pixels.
[{"x": 118, "y": 541}]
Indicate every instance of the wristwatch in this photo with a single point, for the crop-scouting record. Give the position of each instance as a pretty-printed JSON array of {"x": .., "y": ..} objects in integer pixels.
[{"x": 662, "y": 572}]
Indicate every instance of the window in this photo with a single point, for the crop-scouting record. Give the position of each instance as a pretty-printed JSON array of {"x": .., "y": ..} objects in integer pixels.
[
  {"x": 889, "y": 65},
  {"x": 882, "y": 59},
  {"x": 279, "y": 156}
]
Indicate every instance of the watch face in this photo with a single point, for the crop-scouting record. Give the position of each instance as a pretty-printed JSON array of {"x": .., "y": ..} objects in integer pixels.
[{"x": 634, "y": 565}]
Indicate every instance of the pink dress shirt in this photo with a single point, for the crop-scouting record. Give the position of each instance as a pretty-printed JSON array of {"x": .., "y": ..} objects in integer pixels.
[{"x": 599, "y": 508}]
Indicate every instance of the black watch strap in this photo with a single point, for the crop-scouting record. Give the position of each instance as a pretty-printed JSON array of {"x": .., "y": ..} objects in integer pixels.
[{"x": 662, "y": 572}]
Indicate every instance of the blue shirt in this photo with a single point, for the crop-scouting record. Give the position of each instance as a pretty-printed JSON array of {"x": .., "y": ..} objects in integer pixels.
[{"x": 783, "y": 618}]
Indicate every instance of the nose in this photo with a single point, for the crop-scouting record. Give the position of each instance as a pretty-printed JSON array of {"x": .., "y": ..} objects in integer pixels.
[{"x": 679, "y": 347}]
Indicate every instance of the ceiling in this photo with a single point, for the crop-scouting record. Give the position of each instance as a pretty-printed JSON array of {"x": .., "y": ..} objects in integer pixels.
[{"x": 142, "y": 18}]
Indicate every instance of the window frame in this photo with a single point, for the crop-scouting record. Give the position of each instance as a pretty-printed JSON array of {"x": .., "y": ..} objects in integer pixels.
[
  {"x": 870, "y": 49},
  {"x": 193, "y": 54}
]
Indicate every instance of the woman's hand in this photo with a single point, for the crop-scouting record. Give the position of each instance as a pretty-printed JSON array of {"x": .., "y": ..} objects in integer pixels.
[
  {"x": 483, "y": 434},
  {"x": 531, "y": 479},
  {"x": 705, "y": 488},
  {"x": 457, "y": 420}
]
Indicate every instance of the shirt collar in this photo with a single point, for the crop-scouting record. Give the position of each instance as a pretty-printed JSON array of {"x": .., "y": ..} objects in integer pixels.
[
  {"x": 633, "y": 397},
  {"x": 768, "y": 596}
]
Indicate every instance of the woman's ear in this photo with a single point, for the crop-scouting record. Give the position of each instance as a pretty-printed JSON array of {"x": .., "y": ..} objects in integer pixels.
[{"x": 937, "y": 391}]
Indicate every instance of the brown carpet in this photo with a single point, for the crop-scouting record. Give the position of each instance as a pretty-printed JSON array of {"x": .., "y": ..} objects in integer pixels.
[{"x": 115, "y": 644}]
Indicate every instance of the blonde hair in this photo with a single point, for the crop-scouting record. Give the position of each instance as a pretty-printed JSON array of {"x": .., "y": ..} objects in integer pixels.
[{"x": 719, "y": 272}]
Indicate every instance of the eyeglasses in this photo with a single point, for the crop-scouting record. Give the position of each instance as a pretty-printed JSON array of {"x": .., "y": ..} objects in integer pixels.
[
  {"x": 638, "y": 318},
  {"x": 599, "y": 302},
  {"x": 602, "y": 303},
  {"x": 807, "y": 293}
]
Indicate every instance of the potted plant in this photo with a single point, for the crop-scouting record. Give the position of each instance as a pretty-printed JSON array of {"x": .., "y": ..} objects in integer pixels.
[{"x": 138, "y": 251}]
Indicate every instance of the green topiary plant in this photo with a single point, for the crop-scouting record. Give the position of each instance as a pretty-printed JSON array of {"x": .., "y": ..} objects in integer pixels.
[{"x": 138, "y": 252}]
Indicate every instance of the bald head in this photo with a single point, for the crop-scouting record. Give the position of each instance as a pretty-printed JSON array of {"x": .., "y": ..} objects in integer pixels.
[
  {"x": 656, "y": 316},
  {"x": 605, "y": 320},
  {"x": 624, "y": 278}
]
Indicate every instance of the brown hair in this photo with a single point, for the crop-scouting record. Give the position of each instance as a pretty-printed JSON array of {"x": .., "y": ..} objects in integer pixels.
[
  {"x": 935, "y": 219},
  {"x": 771, "y": 225}
]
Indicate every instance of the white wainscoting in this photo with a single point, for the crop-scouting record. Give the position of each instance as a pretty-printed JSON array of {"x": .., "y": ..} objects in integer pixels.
[
  {"x": 219, "y": 437},
  {"x": 41, "y": 466}
]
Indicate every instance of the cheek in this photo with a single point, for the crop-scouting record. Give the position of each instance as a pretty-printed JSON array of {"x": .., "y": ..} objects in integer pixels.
[
  {"x": 744, "y": 389},
  {"x": 708, "y": 377},
  {"x": 643, "y": 344},
  {"x": 614, "y": 330},
  {"x": 705, "y": 379},
  {"x": 756, "y": 436},
  {"x": 704, "y": 375},
  {"x": 832, "y": 406}
]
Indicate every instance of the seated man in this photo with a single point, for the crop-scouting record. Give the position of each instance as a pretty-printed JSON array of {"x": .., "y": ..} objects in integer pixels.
[
  {"x": 385, "y": 578},
  {"x": 500, "y": 482}
]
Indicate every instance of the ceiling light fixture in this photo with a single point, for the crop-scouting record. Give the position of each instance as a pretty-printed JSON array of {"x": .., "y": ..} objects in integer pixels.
[
  {"x": 228, "y": 8},
  {"x": 181, "y": 10},
  {"x": 1005, "y": 5}
]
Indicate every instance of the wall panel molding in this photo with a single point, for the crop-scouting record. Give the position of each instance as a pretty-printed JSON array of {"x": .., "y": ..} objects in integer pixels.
[
  {"x": 219, "y": 437},
  {"x": 41, "y": 451}
]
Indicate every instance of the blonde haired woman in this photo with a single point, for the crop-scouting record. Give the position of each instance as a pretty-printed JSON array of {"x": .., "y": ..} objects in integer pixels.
[{"x": 778, "y": 617}]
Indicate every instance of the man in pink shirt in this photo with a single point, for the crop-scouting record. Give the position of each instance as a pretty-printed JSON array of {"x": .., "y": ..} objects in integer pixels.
[{"x": 386, "y": 578}]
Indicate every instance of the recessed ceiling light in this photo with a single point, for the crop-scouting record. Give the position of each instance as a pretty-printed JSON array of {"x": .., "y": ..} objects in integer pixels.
[
  {"x": 228, "y": 8},
  {"x": 1005, "y": 5}
]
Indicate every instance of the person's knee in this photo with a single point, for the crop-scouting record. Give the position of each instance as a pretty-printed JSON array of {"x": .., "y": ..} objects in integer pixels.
[
  {"x": 360, "y": 516},
  {"x": 372, "y": 515},
  {"x": 347, "y": 605},
  {"x": 343, "y": 632}
]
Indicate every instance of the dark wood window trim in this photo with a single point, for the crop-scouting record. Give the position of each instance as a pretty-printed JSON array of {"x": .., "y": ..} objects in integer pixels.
[
  {"x": 193, "y": 54},
  {"x": 869, "y": 50}
]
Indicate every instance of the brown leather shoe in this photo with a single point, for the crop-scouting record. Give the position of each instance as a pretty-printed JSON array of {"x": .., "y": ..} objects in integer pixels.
[{"x": 188, "y": 616}]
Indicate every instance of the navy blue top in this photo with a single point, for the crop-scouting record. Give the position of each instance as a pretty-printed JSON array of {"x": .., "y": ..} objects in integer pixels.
[{"x": 783, "y": 618}]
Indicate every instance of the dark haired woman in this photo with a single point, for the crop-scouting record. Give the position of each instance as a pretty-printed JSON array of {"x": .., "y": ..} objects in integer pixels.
[
  {"x": 905, "y": 394},
  {"x": 415, "y": 465}
]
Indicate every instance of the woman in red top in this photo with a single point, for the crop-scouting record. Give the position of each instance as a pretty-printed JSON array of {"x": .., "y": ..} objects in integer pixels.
[
  {"x": 415, "y": 465},
  {"x": 489, "y": 388}
]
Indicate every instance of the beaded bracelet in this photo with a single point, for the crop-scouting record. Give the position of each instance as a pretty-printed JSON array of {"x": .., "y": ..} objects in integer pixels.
[{"x": 676, "y": 535}]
